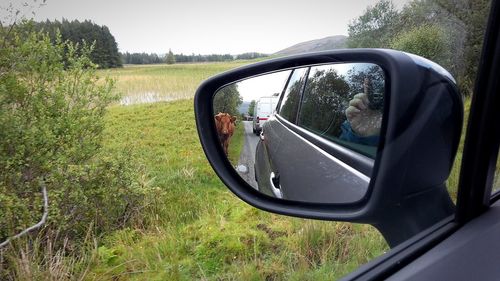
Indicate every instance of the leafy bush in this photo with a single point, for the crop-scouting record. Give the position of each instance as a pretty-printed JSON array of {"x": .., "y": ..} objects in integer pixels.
[
  {"x": 458, "y": 24},
  {"x": 428, "y": 41},
  {"x": 52, "y": 105},
  {"x": 375, "y": 27}
]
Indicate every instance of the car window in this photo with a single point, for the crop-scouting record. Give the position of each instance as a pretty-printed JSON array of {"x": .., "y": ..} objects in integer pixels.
[
  {"x": 328, "y": 92},
  {"x": 496, "y": 179},
  {"x": 291, "y": 98}
]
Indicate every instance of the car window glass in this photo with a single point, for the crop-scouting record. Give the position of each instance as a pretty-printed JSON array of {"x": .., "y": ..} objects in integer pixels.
[
  {"x": 328, "y": 93},
  {"x": 496, "y": 179},
  {"x": 291, "y": 99}
]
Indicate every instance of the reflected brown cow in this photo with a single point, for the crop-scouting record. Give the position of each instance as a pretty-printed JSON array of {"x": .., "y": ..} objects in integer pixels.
[{"x": 225, "y": 123}]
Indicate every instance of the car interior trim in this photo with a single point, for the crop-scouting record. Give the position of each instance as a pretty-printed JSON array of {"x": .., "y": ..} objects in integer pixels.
[
  {"x": 470, "y": 253},
  {"x": 385, "y": 265}
]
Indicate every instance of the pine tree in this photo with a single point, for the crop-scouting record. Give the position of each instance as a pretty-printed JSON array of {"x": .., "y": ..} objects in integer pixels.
[
  {"x": 105, "y": 53},
  {"x": 170, "y": 57}
]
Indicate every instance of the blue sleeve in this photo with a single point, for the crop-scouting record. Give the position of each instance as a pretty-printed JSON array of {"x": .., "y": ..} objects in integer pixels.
[{"x": 349, "y": 135}]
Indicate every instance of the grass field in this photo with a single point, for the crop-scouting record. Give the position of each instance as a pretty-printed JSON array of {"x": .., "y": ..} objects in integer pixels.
[
  {"x": 199, "y": 230},
  {"x": 194, "y": 228},
  {"x": 165, "y": 82}
]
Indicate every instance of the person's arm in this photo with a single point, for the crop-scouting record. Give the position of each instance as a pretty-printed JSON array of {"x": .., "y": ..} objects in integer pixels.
[{"x": 349, "y": 135}]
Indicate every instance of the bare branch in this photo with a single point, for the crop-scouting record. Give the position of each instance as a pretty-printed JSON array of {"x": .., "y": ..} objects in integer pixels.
[{"x": 35, "y": 226}]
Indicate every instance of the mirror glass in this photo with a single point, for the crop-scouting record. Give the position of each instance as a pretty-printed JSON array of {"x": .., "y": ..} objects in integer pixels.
[{"x": 304, "y": 134}]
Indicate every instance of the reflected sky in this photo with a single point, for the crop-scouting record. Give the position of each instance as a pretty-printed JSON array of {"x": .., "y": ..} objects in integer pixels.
[
  {"x": 262, "y": 86},
  {"x": 269, "y": 84}
]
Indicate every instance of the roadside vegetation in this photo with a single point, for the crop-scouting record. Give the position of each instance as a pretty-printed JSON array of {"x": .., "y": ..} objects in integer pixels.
[
  {"x": 55, "y": 172},
  {"x": 440, "y": 30},
  {"x": 237, "y": 143}
]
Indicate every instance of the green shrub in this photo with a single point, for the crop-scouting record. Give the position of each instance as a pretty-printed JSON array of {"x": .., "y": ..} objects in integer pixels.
[
  {"x": 428, "y": 41},
  {"x": 52, "y": 106}
]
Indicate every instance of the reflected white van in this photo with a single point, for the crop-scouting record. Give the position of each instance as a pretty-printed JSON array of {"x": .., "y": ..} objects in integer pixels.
[{"x": 264, "y": 107}]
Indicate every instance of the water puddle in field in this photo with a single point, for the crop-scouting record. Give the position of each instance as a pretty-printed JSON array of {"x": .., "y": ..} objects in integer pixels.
[{"x": 147, "y": 97}]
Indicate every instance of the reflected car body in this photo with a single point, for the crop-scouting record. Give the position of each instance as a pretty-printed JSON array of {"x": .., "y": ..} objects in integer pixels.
[
  {"x": 287, "y": 158},
  {"x": 302, "y": 180}
]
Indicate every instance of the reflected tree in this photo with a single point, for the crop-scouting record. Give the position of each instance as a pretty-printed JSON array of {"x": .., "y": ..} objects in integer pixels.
[
  {"x": 251, "y": 108},
  {"x": 290, "y": 106},
  {"x": 228, "y": 100},
  {"x": 325, "y": 98}
]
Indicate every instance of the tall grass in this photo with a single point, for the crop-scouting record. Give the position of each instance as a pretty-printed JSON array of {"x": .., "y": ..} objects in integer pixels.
[
  {"x": 177, "y": 81},
  {"x": 236, "y": 143},
  {"x": 40, "y": 259}
]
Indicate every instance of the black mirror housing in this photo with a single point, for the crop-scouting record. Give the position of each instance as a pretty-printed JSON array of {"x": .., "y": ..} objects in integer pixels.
[{"x": 420, "y": 133}]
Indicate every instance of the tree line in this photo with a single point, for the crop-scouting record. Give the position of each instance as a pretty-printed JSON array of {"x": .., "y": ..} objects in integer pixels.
[
  {"x": 141, "y": 58},
  {"x": 170, "y": 58},
  {"x": 104, "y": 50}
]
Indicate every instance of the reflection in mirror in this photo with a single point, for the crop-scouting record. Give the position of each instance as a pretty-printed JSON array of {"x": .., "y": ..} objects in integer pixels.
[{"x": 284, "y": 132}]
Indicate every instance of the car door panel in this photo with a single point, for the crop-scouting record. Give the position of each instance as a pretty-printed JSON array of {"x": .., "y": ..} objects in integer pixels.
[
  {"x": 304, "y": 179},
  {"x": 263, "y": 169},
  {"x": 471, "y": 253}
]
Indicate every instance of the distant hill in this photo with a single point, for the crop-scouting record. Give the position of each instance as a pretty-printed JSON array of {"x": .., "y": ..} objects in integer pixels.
[{"x": 327, "y": 43}]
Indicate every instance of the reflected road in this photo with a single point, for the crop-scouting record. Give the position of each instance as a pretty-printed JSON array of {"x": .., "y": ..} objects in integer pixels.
[{"x": 247, "y": 156}]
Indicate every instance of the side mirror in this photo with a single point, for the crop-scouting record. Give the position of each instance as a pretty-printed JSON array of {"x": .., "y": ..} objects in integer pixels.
[{"x": 363, "y": 135}]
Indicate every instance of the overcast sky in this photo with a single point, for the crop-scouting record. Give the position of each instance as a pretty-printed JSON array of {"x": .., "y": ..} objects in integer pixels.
[{"x": 211, "y": 26}]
